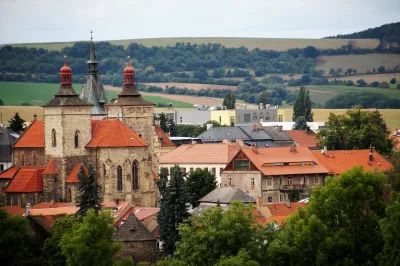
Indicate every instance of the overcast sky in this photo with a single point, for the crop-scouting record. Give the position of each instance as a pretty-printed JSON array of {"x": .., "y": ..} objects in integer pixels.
[{"x": 53, "y": 21}]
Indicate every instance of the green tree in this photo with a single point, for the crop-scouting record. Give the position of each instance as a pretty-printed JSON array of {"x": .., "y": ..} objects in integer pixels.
[
  {"x": 172, "y": 129},
  {"x": 241, "y": 259},
  {"x": 198, "y": 184},
  {"x": 163, "y": 122},
  {"x": 173, "y": 210},
  {"x": 294, "y": 195},
  {"x": 357, "y": 129},
  {"x": 17, "y": 123},
  {"x": 303, "y": 105},
  {"x": 89, "y": 191},
  {"x": 300, "y": 123},
  {"x": 381, "y": 69},
  {"x": 310, "y": 51},
  {"x": 163, "y": 181},
  {"x": 1, "y": 102},
  {"x": 392, "y": 81},
  {"x": 230, "y": 101},
  {"x": 90, "y": 242},
  {"x": 361, "y": 83},
  {"x": 263, "y": 98}
]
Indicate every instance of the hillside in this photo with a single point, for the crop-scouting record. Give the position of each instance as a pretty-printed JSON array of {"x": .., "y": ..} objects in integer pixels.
[{"x": 277, "y": 44}]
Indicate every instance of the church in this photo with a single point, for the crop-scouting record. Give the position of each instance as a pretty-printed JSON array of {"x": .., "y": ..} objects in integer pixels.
[{"x": 118, "y": 138}]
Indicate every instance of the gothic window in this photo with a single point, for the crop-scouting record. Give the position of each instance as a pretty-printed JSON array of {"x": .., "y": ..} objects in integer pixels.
[
  {"x": 76, "y": 139},
  {"x": 53, "y": 138},
  {"x": 119, "y": 178},
  {"x": 135, "y": 175},
  {"x": 69, "y": 195},
  {"x": 104, "y": 170},
  {"x": 34, "y": 158}
]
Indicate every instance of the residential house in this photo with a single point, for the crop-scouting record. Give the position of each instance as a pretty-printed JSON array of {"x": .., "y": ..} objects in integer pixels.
[
  {"x": 272, "y": 173},
  {"x": 279, "y": 212},
  {"x": 213, "y": 157},
  {"x": 162, "y": 143},
  {"x": 251, "y": 116},
  {"x": 305, "y": 138}
]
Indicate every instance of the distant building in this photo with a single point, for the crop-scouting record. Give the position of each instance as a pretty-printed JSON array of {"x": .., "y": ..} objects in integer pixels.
[
  {"x": 251, "y": 116},
  {"x": 7, "y": 140},
  {"x": 178, "y": 141},
  {"x": 191, "y": 117}
]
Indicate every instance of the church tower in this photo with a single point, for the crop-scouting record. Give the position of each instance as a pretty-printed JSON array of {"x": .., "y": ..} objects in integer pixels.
[
  {"x": 132, "y": 109},
  {"x": 93, "y": 91}
]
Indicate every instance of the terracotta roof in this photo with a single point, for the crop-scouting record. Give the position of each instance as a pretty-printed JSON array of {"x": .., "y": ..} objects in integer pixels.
[
  {"x": 216, "y": 153},
  {"x": 303, "y": 138},
  {"x": 54, "y": 211},
  {"x": 257, "y": 215},
  {"x": 268, "y": 160},
  {"x": 165, "y": 142},
  {"x": 27, "y": 179},
  {"x": 33, "y": 136},
  {"x": 341, "y": 161},
  {"x": 156, "y": 176},
  {"x": 13, "y": 210},
  {"x": 277, "y": 219},
  {"x": 45, "y": 205},
  {"x": 73, "y": 176},
  {"x": 51, "y": 168},
  {"x": 280, "y": 211},
  {"x": 113, "y": 133},
  {"x": 9, "y": 173},
  {"x": 140, "y": 212}
]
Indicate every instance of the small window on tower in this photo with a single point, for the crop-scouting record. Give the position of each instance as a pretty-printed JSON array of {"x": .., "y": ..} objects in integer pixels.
[
  {"x": 76, "y": 139},
  {"x": 53, "y": 138}
]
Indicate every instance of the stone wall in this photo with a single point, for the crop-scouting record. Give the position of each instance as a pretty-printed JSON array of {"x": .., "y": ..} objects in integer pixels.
[
  {"x": 139, "y": 251},
  {"x": 21, "y": 199},
  {"x": 29, "y": 156}
]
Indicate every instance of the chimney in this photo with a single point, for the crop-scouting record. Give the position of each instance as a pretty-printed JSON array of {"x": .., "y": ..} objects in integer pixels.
[
  {"x": 194, "y": 142},
  {"x": 241, "y": 142},
  {"x": 209, "y": 126},
  {"x": 28, "y": 209},
  {"x": 260, "y": 126},
  {"x": 157, "y": 123},
  {"x": 261, "y": 106},
  {"x": 52, "y": 203},
  {"x": 325, "y": 150},
  {"x": 254, "y": 127}
]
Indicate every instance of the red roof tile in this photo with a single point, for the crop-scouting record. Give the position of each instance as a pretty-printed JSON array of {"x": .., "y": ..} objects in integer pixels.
[
  {"x": 341, "y": 161},
  {"x": 113, "y": 133},
  {"x": 33, "y": 136},
  {"x": 45, "y": 205},
  {"x": 27, "y": 179},
  {"x": 51, "y": 168},
  {"x": 13, "y": 210},
  {"x": 9, "y": 173},
  {"x": 303, "y": 138},
  {"x": 140, "y": 212},
  {"x": 164, "y": 139},
  {"x": 280, "y": 211},
  {"x": 73, "y": 177}
]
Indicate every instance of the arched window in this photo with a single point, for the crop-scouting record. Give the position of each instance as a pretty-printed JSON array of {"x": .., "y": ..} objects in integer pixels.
[
  {"x": 119, "y": 178},
  {"x": 69, "y": 195},
  {"x": 135, "y": 175},
  {"x": 76, "y": 142},
  {"x": 34, "y": 158},
  {"x": 53, "y": 138}
]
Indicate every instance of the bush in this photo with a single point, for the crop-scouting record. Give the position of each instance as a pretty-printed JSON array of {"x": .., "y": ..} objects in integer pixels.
[
  {"x": 374, "y": 84},
  {"x": 384, "y": 85},
  {"x": 393, "y": 81}
]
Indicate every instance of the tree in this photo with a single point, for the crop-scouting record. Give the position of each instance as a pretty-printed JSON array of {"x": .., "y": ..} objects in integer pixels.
[
  {"x": 302, "y": 105},
  {"x": 361, "y": 83},
  {"x": 172, "y": 129},
  {"x": 173, "y": 210},
  {"x": 163, "y": 181},
  {"x": 310, "y": 52},
  {"x": 163, "y": 122},
  {"x": 1, "y": 102},
  {"x": 263, "y": 97},
  {"x": 90, "y": 242},
  {"x": 381, "y": 69},
  {"x": 89, "y": 191},
  {"x": 230, "y": 101},
  {"x": 357, "y": 129},
  {"x": 305, "y": 80},
  {"x": 294, "y": 195},
  {"x": 198, "y": 184},
  {"x": 17, "y": 123},
  {"x": 339, "y": 71},
  {"x": 392, "y": 81},
  {"x": 300, "y": 123},
  {"x": 332, "y": 72}
]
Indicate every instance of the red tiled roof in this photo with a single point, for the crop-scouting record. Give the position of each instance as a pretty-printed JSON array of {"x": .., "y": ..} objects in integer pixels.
[
  {"x": 303, "y": 138},
  {"x": 51, "y": 168},
  {"x": 166, "y": 142},
  {"x": 13, "y": 210},
  {"x": 113, "y": 133},
  {"x": 73, "y": 177},
  {"x": 280, "y": 211},
  {"x": 257, "y": 215},
  {"x": 53, "y": 211},
  {"x": 9, "y": 173},
  {"x": 45, "y": 205},
  {"x": 216, "y": 153},
  {"x": 277, "y": 219},
  {"x": 27, "y": 179},
  {"x": 341, "y": 161},
  {"x": 266, "y": 157},
  {"x": 33, "y": 136},
  {"x": 140, "y": 212}
]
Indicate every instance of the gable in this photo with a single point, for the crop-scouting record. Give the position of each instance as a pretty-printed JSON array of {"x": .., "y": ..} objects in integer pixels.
[
  {"x": 240, "y": 156},
  {"x": 33, "y": 137}
]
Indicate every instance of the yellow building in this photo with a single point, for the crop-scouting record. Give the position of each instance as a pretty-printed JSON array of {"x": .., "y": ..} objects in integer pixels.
[
  {"x": 224, "y": 117},
  {"x": 284, "y": 114}
]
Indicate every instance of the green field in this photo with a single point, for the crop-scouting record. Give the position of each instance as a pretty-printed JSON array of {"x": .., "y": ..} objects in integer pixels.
[
  {"x": 344, "y": 89},
  {"x": 278, "y": 44},
  {"x": 37, "y": 94}
]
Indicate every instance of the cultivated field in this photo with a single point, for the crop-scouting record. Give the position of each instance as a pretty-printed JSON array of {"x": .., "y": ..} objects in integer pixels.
[
  {"x": 344, "y": 89},
  {"x": 371, "y": 78},
  {"x": 361, "y": 63},
  {"x": 278, "y": 44},
  {"x": 193, "y": 86},
  {"x": 26, "y": 113},
  {"x": 37, "y": 94},
  {"x": 318, "y": 96}
]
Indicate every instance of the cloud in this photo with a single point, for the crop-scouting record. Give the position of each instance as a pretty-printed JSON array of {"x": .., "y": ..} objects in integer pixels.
[{"x": 51, "y": 21}]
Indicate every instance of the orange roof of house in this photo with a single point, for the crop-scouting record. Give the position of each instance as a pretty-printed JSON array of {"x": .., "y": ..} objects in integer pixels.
[
  {"x": 341, "y": 161},
  {"x": 27, "y": 179},
  {"x": 216, "y": 153},
  {"x": 277, "y": 219},
  {"x": 54, "y": 211},
  {"x": 280, "y": 211},
  {"x": 33, "y": 137},
  {"x": 73, "y": 176},
  {"x": 45, "y": 205},
  {"x": 303, "y": 138},
  {"x": 396, "y": 140},
  {"x": 165, "y": 142},
  {"x": 13, "y": 210},
  {"x": 279, "y": 155},
  {"x": 113, "y": 133},
  {"x": 51, "y": 168},
  {"x": 9, "y": 173}
]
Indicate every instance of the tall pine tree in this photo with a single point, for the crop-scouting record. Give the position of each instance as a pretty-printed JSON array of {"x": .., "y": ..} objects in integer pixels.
[
  {"x": 89, "y": 191},
  {"x": 17, "y": 123},
  {"x": 162, "y": 182},
  {"x": 303, "y": 105},
  {"x": 173, "y": 210}
]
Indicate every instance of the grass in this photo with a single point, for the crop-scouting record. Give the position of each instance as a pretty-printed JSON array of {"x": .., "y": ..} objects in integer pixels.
[
  {"x": 37, "y": 94},
  {"x": 278, "y": 44},
  {"x": 345, "y": 89}
]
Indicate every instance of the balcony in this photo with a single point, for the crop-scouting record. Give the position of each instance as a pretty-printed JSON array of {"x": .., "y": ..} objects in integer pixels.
[{"x": 291, "y": 187}]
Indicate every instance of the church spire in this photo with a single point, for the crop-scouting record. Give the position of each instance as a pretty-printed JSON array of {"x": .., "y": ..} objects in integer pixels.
[{"x": 92, "y": 53}]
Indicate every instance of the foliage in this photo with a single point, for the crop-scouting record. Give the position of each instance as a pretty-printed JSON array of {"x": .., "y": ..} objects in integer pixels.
[
  {"x": 393, "y": 81},
  {"x": 365, "y": 99},
  {"x": 89, "y": 191},
  {"x": 162, "y": 118},
  {"x": 361, "y": 83},
  {"x": 198, "y": 184},
  {"x": 300, "y": 123},
  {"x": 294, "y": 195},
  {"x": 172, "y": 128},
  {"x": 90, "y": 242},
  {"x": 302, "y": 105},
  {"x": 16, "y": 123},
  {"x": 230, "y": 101},
  {"x": 173, "y": 210},
  {"x": 163, "y": 181},
  {"x": 357, "y": 129},
  {"x": 1, "y": 102},
  {"x": 241, "y": 259},
  {"x": 195, "y": 130}
]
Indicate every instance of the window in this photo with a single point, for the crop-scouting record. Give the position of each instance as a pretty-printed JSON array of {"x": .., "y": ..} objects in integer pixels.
[
  {"x": 34, "y": 158},
  {"x": 1, "y": 167},
  {"x": 191, "y": 169},
  {"x": 252, "y": 181},
  {"x": 119, "y": 178},
  {"x": 281, "y": 197},
  {"x": 267, "y": 118},
  {"x": 220, "y": 120},
  {"x": 261, "y": 118},
  {"x": 220, "y": 170},
  {"x": 304, "y": 180},
  {"x": 53, "y": 138},
  {"x": 135, "y": 175},
  {"x": 246, "y": 118},
  {"x": 180, "y": 119},
  {"x": 76, "y": 142},
  {"x": 269, "y": 182},
  {"x": 280, "y": 181},
  {"x": 214, "y": 171},
  {"x": 316, "y": 179},
  {"x": 238, "y": 118},
  {"x": 230, "y": 181},
  {"x": 241, "y": 165},
  {"x": 269, "y": 199},
  {"x": 280, "y": 118},
  {"x": 232, "y": 120},
  {"x": 289, "y": 181}
]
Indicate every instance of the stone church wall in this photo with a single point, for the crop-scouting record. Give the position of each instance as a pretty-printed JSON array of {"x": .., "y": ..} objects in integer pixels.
[{"x": 29, "y": 157}]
